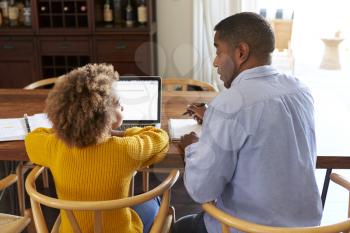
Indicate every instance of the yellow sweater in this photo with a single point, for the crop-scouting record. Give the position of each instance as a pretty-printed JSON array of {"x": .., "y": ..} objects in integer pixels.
[{"x": 99, "y": 172}]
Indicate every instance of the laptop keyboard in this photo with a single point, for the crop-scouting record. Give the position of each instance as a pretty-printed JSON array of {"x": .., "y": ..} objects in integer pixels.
[{"x": 127, "y": 126}]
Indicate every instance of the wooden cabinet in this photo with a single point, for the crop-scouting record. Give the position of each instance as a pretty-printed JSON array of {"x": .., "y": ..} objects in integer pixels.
[
  {"x": 66, "y": 34},
  {"x": 129, "y": 54},
  {"x": 17, "y": 61}
]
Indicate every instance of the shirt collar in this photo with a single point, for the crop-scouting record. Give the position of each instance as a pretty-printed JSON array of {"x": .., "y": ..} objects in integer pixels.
[{"x": 255, "y": 72}]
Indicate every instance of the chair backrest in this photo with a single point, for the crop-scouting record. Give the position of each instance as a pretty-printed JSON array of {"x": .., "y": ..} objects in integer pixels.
[
  {"x": 342, "y": 181},
  {"x": 227, "y": 221},
  {"x": 185, "y": 84},
  {"x": 41, "y": 83},
  {"x": 283, "y": 32},
  {"x": 97, "y": 207}
]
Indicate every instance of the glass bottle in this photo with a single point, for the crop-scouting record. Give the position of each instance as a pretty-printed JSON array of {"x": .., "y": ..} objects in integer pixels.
[
  {"x": 27, "y": 14},
  {"x": 4, "y": 5},
  {"x": 129, "y": 15},
  {"x": 82, "y": 8},
  {"x": 142, "y": 13},
  {"x": 117, "y": 6},
  {"x": 43, "y": 8},
  {"x": 107, "y": 12},
  {"x": 20, "y": 6},
  {"x": 13, "y": 13},
  {"x": 68, "y": 7}
]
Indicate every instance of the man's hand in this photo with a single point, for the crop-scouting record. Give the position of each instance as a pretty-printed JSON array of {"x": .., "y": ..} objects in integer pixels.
[
  {"x": 188, "y": 139},
  {"x": 197, "y": 111}
]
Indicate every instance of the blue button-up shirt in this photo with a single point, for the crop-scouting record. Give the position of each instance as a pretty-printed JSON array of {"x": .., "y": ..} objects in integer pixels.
[{"x": 257, "y": 152}]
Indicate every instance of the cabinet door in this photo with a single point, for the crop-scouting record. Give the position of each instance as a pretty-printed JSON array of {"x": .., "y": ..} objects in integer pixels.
[
  {"x": 17, "y": 62},
  {"x": 16, "y": 74},
  {"x": 129, "y": 56}
]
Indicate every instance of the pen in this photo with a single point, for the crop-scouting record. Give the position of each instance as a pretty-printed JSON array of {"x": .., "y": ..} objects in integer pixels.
[
  {"x": 25, "y": 116},
  {"x": 197, "y": 105}
]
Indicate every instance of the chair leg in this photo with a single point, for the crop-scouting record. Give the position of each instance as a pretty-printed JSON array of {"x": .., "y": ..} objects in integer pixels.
[
  {"x": 172, "y": 213},
  {"x": 45, "y": 176},
  {"x": 145, "y": 181},
  {"x": 31, "y": 226},
  {"x": 131, "y": 188},
  {"x": 20, "y": 188}
]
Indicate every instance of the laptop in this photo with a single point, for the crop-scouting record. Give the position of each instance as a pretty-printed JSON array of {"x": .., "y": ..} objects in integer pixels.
[{"x": 140, "y": 97}]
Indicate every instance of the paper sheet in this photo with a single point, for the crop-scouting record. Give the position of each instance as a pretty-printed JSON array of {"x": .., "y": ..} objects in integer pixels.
[
  {"x": 180, "y": 127},
  {"x": 12, "y": 129}
]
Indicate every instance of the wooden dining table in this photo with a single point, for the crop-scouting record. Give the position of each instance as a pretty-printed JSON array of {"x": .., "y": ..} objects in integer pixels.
[{"x": 15, "y": 103}]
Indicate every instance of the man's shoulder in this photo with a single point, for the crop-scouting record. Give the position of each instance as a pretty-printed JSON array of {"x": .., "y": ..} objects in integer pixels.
[{"x": 229, "y": 101}]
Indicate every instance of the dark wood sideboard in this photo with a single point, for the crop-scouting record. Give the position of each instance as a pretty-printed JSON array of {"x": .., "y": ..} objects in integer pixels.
[{"x": 65, "y": 34}]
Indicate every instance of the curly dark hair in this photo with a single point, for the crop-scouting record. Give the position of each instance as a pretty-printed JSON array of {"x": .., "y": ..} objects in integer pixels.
[
  {"x": 250, "y": 28},
  {"x": 81, "y": 106}
]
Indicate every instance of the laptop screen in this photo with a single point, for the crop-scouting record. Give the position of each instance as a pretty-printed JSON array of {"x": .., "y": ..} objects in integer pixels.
[{"x": 140, "y": 97}]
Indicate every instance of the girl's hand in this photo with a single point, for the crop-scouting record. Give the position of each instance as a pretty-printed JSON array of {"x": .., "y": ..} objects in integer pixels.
[{"x": 117, "y": 133}]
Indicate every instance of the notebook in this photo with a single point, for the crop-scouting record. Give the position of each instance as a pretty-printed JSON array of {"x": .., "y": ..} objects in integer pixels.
[
  {"x": 180, "y": 127},
  {"x": 140, "y": 97},
  {"x": 13, "y": 129}
]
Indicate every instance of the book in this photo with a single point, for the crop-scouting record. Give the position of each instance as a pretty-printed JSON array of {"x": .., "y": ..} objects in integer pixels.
[
  {"x": 180, "y": 127},
  {"x": 13, "y": 129}
]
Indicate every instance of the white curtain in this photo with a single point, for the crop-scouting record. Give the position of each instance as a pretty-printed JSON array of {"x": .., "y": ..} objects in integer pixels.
[{"x": 206, "y": 14}]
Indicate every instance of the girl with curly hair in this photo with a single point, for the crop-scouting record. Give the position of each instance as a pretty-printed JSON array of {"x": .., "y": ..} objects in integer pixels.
[{"x": 88, "y": 160}]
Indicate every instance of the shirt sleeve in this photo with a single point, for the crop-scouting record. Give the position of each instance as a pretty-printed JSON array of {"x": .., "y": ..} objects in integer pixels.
[
  {"x": 211, "y": 162},
  {"x": 38, "y": 147},
  {"x": 147, "y": 145}
]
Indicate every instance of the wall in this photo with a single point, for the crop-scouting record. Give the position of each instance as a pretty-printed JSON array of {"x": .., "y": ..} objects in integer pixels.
[{"x": 174, "y": 20}]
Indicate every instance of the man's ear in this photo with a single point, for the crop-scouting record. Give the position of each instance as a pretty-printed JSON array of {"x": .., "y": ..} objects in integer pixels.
[{"x": 243, "y": 52}]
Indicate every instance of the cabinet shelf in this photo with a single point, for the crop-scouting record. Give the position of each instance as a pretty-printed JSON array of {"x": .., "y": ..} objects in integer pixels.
[
  {"x": 138, "y": 27},
  {"x": 64, "y": 14}
]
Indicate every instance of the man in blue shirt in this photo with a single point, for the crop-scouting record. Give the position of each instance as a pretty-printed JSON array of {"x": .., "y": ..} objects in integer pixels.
[{"x": 257, "y": 152}]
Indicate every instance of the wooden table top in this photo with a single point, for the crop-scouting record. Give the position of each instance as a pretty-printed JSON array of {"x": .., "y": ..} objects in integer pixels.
[{"x": 16, "y": 102}]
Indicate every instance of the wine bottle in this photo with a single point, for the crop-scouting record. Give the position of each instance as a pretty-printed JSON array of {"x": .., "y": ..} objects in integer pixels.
[
  {"x": 82, "y": 8},
  {"x": 13, "y": 14},
  {"x": 68, "y": 7},
  {"x": 20, "y": 6},
  {"x": 4, "y": 5},
  {"x": 129, "y": 15},
  {"x": 117, "y": 6},
  {"x": 142, "y": 13},
  {"x": 27, "y": 13},
  {"x": 107, "y": 13},
  {"x": 44, "y": 8}
]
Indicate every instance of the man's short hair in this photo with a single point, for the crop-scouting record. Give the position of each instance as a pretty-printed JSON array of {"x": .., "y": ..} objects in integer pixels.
[{"x": 250, "y": 28}]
